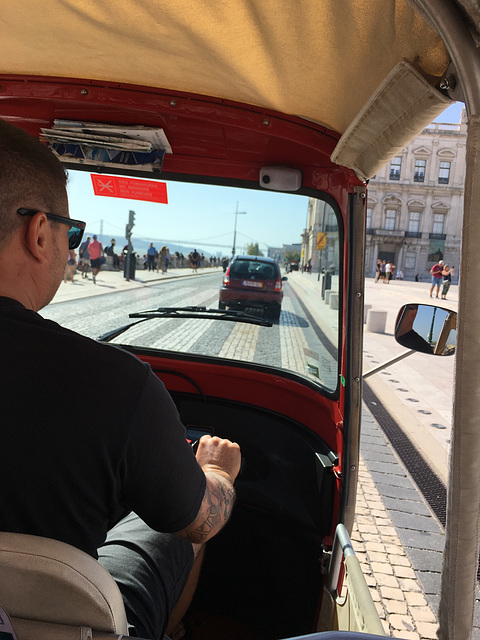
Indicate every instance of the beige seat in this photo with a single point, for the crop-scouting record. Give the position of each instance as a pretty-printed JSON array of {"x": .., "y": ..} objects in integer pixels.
[{"x": 52, "y": 590}]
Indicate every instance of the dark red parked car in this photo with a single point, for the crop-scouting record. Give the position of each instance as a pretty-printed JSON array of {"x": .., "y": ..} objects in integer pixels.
[{"x": 253, "y": 281}]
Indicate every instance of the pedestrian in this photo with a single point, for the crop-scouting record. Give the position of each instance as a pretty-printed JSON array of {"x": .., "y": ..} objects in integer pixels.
[
  {"x": 447, "y": 274},
  {"x": 162, "y": 257},
  {"x": 84, "y": 261},
  {"x": 84, "y": 467},
  {"x": 167, "y": 259},
  {"x": 70, "y": 266},
  {"x": 436, "y": 273},
  {"x": 378, "y": 268},
  {"x": 95, "y": 249},
  {"x": 382, "y": 271},
  {"x": 194, "y": 260},
  {"x": 151, "y": 253},
  {"x": 110, "y": 251},
  {"x": 389, "y": 269}
]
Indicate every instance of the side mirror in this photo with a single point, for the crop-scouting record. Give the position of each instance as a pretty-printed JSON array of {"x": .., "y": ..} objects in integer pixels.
[
  {"x": 284, "y": 278},
  {"x": 426, "y": 328}
]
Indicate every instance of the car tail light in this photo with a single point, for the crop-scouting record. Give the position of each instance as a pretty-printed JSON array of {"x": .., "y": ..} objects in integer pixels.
[
  {"x": 226, "y": 279},
  {"x": 278, "y": 285}
]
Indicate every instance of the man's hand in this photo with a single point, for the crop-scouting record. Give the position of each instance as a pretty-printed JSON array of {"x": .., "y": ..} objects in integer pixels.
[
  {"x": 216, "y": 454},
  {"x": 220, "y": 460}
]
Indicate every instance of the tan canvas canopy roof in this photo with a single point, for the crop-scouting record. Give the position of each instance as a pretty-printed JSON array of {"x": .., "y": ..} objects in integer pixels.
[{"x": 311, "y": 58}]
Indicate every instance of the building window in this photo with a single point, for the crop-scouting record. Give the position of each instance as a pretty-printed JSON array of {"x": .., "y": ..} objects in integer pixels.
[
  {"x": 410, "y": 260},
  {"x": 419, "y": 175},
  {"x": 395, "y": 166},
  {"x": 414, "y": 222},
  {"x": 369, "y": 219},
  {"x": 390, "y": 217},
  {"x": 444, "y": 173},
  {"x": 438, "y": 223}
]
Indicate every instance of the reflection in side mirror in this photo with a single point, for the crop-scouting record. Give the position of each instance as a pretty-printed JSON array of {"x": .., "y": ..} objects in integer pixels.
[{"x": 427, "y": 329}]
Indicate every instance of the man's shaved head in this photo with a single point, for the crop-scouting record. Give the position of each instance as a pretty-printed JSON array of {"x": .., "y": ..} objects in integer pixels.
[{"x": 30, "y": 177}]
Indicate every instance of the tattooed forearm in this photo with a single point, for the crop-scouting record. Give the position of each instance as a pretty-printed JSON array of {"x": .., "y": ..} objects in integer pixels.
[{"x": 215, "y": 510}]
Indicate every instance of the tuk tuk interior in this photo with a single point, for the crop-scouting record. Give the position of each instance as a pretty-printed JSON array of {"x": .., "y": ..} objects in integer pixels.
[{"x": 242, "y": 91}]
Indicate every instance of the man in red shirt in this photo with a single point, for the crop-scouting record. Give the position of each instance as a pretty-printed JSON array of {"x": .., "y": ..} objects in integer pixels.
[
  {"x": 95, "y": 249},
  {"x": 436, "y": 272}
]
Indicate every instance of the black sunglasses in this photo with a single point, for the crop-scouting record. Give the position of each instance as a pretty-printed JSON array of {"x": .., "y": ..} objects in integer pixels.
[{"x": 77, "y": 227}]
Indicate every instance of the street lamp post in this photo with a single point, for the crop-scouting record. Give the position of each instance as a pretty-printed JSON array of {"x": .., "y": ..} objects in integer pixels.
[{"x": 237, "y": 213}]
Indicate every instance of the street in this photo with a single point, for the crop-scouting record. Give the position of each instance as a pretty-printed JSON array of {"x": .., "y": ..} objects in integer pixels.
[{"x": 291, "y": 343}]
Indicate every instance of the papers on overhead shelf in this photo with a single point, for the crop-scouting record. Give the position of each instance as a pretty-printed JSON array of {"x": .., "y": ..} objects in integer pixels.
[{"x": 97, "y": 143}]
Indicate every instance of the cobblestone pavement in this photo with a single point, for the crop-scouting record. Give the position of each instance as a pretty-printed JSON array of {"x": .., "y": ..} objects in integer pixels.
[{"x": 386, "y": 538}]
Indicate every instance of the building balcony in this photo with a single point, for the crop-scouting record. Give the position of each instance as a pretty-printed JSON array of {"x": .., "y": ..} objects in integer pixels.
[
  {"x": 413, "y": 234},
  {"x": 392, "y": 233},
  {"x": 437, "y": 236}
]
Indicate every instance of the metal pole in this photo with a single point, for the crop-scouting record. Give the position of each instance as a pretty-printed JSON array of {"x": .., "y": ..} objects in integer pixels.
[
  {"x": 237, "y": 213},
  {"x": 386, "y": 364},
  {"x": 235, "y": 231}
]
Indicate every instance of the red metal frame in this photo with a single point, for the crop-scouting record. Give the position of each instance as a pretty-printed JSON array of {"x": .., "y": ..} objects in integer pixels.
[
  {"x": 252, "y": 386},
  {"x": 217, "y": 140}
]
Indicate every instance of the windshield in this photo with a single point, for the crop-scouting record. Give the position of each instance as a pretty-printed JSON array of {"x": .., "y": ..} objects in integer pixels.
[{"x": 270, "y": 255}]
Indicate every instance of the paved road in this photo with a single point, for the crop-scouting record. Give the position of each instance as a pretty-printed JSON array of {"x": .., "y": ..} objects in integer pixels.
[{"x": 282, "y": 345}]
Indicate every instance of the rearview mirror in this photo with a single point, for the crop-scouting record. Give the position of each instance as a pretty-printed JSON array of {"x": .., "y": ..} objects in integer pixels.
[{"x": 426, "y": 328}]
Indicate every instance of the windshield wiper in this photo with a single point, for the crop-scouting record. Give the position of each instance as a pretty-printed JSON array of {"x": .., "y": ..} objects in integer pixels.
[
  {"x": 201, "y": 312},
  {"x": 186, "y": 312}
]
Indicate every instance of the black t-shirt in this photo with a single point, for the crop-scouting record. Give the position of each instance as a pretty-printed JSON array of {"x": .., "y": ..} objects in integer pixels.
[{"x": 88, "y": 434}]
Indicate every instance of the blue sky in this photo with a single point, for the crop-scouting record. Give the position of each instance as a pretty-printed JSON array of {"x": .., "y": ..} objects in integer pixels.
[{"x": 201, "y": 216}]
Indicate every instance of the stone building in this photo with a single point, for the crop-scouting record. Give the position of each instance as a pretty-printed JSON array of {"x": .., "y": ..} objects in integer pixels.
[
  {"x": 415, "y": 204},
  {"x": 414, "y": 208},
  {"x": 320, "y": 240},
  {"x": 278, "y": 253}
]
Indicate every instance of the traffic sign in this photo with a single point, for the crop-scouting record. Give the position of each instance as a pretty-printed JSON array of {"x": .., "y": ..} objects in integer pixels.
[
  {"x": 321, "y": 241},
  {"x": 130, "y": 188}
]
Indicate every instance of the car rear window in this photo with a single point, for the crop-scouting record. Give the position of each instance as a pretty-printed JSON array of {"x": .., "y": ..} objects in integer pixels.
[{"x": 253, "y": 269}]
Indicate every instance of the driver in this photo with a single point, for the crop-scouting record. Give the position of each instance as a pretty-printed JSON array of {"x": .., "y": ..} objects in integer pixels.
[{"x": 109, "y": 472}]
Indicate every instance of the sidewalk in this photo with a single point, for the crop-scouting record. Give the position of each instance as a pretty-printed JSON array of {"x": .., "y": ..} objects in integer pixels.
[
  {"x": 110, "y": 281},
  {"x": 417, "y": 390}
]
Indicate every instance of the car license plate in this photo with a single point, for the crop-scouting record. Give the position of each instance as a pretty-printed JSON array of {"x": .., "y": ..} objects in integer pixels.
[{"x": 252, "y": 283}]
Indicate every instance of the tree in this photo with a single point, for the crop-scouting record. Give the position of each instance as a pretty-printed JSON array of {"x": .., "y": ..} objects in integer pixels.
[
  {"x": 253, "y": 250},
  {"x": 292, "y": 256}
]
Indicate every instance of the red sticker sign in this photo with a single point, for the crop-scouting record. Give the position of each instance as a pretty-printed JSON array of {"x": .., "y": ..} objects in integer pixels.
[{"x": 131, "y": 188}]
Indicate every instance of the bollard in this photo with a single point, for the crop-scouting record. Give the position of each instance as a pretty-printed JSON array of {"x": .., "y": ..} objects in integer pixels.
[
  {"x": 328, "y": 293},
  {"x": 366, "y": 308},
  {"x": 334, "y": 300},
  {"x": 376, "y": 321}
]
